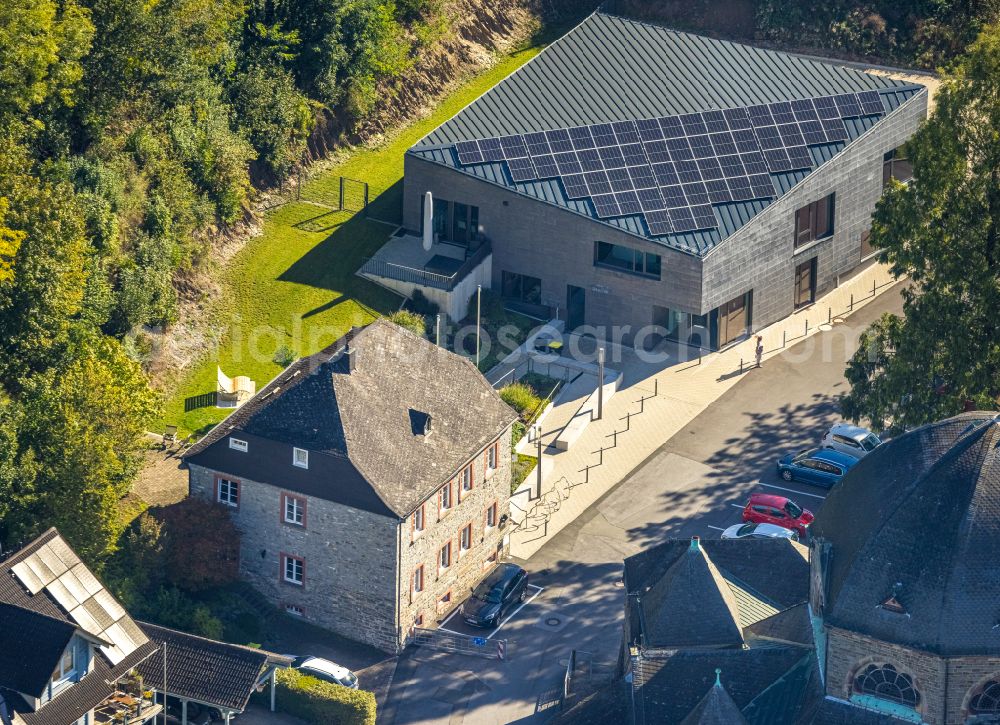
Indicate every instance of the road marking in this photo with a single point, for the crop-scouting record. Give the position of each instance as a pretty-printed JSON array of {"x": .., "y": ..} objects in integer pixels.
[
  {"x": 791, "y": 490},
  {"x": 523, "y": 605},
  {"x": 717, "y": 528},
  {"x": 447, "y": 619}
]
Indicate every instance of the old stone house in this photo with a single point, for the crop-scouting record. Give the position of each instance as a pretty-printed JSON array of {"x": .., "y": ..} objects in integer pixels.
[{"x": 370, "y": 483}]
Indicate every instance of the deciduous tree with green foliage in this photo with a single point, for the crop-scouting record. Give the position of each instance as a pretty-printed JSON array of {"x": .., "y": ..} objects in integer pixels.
[{"x": 942, "y": 230}]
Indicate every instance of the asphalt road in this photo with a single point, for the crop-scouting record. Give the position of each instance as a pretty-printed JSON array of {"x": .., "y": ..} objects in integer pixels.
[{"x": 694, "y": 484}]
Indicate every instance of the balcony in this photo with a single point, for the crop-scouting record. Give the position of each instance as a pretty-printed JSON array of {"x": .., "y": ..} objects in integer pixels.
[{"x": 126, "y": 709}]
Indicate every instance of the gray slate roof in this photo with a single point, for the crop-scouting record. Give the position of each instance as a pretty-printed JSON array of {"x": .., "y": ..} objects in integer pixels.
[
  {"x": 715, "y": 708},
  {"x": 920, "y": 518},
  {"x": 612, "y": 69},
  {"x": 366, "y": 416},
  {"x": 45, "y": 636}
]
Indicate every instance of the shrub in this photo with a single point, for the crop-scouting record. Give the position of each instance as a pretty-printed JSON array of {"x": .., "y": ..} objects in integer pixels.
[
  {"x": 202, "y": 545},
  {"x": 411, "y": 321},
  {"x": 323, "y": 703},
  {"x": 170, "y": 607},
  {"x": 421, "y": 305},
  {"x": 520, "y": 397},
  {"x": 284, "y": 356}
]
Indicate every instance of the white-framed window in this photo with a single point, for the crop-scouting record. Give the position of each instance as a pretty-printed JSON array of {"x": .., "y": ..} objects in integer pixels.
[
  {"x": 295, "y": 610},
  {"x": 300, "y": 457},
  {"x": 418, "y": 520},
  {"x": 294, "y": 510},
  {"x": 491, "y": 516},
  {"x": 67, "y": 665},
  {"x": 229, "y": 492},
  {"x": 294, "y": 570},
  {"x": 237, "y": 445},
  {"x": 467, "y": 478},
  {"x": 465, "y": 539},
  {"x": 418, "y": 579},
  {"x": 491, "y": 458},
  {"x": 444, "y": 557},
  {"x": 445, "y": 497}
]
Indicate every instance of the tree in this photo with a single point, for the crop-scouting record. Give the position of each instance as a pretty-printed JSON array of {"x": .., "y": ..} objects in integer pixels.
[
  {"x": 943, "y": 232},
  {"x": 202, "y": 545}
]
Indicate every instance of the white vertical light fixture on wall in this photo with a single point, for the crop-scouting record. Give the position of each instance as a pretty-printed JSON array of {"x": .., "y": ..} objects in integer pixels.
[{"x": 428, "y": 221}]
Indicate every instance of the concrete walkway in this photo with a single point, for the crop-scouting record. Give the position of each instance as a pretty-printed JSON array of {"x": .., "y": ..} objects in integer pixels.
[{"x": 656, "y": 404}]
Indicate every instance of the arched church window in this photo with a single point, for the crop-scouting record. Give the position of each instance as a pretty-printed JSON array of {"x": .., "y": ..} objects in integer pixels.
[
  {"x": 986, "y": 701},
  {"x": 888, "y": 683}
]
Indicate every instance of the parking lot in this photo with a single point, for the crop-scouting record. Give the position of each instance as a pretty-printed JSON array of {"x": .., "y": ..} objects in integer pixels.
[
  {"x": 456, "y": 625},
  {"x": 719, "y": 519}
]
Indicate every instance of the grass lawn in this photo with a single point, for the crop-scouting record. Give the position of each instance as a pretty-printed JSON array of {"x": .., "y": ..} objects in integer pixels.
[{"x": 294, "y": 286}]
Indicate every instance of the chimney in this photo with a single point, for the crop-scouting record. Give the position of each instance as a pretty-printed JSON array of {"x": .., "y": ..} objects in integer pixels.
[{"x": 695, "y": 543}]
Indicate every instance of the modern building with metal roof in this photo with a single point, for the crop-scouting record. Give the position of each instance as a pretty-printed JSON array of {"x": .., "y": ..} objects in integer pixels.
[{"x": 633, "y": 175}]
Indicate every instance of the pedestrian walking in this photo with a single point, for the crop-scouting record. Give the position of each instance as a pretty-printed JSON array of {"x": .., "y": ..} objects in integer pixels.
[{"x": 759, "y": 352}]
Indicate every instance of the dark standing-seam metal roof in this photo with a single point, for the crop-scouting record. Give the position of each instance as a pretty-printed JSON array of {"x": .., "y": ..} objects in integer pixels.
[
  {"x": 919, "y": 520},
  {"x": 211, "y": 672},
  {"x": 612, "y": 69}
]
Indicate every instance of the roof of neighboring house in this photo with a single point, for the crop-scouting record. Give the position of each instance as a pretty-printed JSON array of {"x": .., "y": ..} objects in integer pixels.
[
  {"x": 611, "y": 68},
  {"x": 690, "y": 605},
  {"x": 360, "y": 421},
  {"x": 715, "y": 708},
  {"x": 918, "y": 520},
  {"x": 45, "y": 636},
  {"x": 830, "y": 711},
  {"x": 95, "y": 686},
  {"x": 211, "y": 672},
  {"x": 608, "y": 704}
]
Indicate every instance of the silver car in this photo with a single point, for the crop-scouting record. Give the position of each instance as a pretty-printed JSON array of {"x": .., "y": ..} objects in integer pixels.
[
  {"x": 852, "y": 440},
  {"x": 759, "y": 531}
]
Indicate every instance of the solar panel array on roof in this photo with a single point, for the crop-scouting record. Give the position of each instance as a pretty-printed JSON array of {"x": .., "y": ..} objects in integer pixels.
[
  {"x": 671, "y": 170},
  {"x": 59, "y": 571}
]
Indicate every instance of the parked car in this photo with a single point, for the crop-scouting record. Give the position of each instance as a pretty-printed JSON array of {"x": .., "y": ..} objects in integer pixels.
[
  {"x": 326, "y": 670},
  {"x": 821, "y": 466},
  {"x": 496, "y": 595},
  {"x": 765, "y": 508},
  {"x": 759, "y": 531},
  {"x": 852, "y": 440}
]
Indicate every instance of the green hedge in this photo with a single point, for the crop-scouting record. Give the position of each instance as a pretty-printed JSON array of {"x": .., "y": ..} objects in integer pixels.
[{"x": 323, "y": 703}]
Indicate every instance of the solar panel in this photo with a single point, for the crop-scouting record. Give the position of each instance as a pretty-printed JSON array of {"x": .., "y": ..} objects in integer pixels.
[
  {"x": 848, "y": 105},
  {"x": 812, "y": 132},
  {"x": 777, "y": 160},
  {"x": 513, "y": 147},
  {"x": 799, "y": 157},
  {"x": 826, "y": 108},
  {"x": 710, "y": 168},
  {"x": 782, "y": 112},
  {"x": 673, "y": 196},
  {"x": 559, "y": 140},
  {"x": 718, "y": 191},
  {"x": 760, "y": 116},
  {"x": 605, "y": 205},
  {"x": 625, "y": 132},
  {"x": 682, "y": 219},
  {"x": 567, "y": 162},
  {"x": 701, "y": 146},
  {"x": 737, "y": 118},
  {"x": 27, "y": 577},
  {"x": 650, "y": 199},
  {"x": 740, "y": 188},
  {"x": 590, "y": 160},
  {"x": 687, "y": 171},
  {"x": 732, "y": 166},
  {"x": 620, "y": 180},
  {"x": 649, "y": 129},
  {"x": 656, "y": 151},
  {"x": 659, "y": 223},
  {"x": 762, "y": 186},
  {"x": 696, "y": 192},
  {"x": 575, "y": 186},
  {"x": 491, "y": 150},
  {"x": 536, "y": 143},
  {"x": 723, "y": 143},
  {"x": 642, "y": 177},
  {"x": 790, "y": 134},
  {"x": 745, "y": 140},
  {"x": 603, "y": 134},
  {"x": 628, "y": 202},
  {"x": 679, "y": 148},
  {"x": 665, "y": 173},
  {"x": 597, "y": 182},
  {"x": 521, "y": 169},
  {"x": 834, "y": 129},
  {"x": 671, "y": 127},
  {"x": 768, "y": 137},
  {"x": 715, "y": 121},
  {"x": 548, "y": 166},
  {"x": 633, "y": 153},
  {"x": 62, "y": 595},
  {"x": 804, "y": 110},
  {"x": 871, "y": 102},
  {"x": 693, "y": 124},
  {"x": 704, "y": 217},
  {"x": 611, "y": 156},
  {"x": 581, "y": 138},
  {"x": 754, "y": 163},
  {"x": 469, "y": 153}
]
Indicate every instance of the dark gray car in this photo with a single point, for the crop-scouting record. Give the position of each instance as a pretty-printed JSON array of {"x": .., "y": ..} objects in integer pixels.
[{"x": 496, "y": 595}]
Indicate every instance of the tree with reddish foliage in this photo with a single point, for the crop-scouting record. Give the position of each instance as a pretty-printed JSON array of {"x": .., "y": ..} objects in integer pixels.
[{"x": 202, "y": 545}]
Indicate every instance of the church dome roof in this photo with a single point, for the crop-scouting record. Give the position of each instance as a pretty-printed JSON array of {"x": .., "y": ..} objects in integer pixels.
[{"x": 914, "y": 531}]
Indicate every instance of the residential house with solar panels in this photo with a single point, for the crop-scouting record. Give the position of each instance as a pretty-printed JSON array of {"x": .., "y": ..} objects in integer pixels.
[{"x": 635, "y": 175}]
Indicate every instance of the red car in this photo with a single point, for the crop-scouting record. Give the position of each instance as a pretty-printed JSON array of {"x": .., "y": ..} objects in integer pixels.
[{"x": 764, "y": 508}]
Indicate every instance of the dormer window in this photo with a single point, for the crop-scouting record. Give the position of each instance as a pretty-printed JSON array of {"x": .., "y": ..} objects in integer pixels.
[
  {"x": 300, "y": 457},
  {"x": 67, "y": 666},
  {"x": 237, "y": 445},
  {"x": 893, "y": 605}
]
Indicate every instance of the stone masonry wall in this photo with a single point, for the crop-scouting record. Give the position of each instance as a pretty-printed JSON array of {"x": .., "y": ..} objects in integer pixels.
[
  {"x": 466, "y": 569},
  {"x": 350, "y": 559},
  {"x": 966, "y": 676}
]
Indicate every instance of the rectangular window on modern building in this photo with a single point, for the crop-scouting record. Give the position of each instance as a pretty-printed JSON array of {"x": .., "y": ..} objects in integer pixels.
[
  {"x": 626, "y": 259},
  {"x": 896, "y": 166},
  {"x": 805, "y": 283},
  {"x": 521, "y": 288},
  {"x": 814, "y": 221}
]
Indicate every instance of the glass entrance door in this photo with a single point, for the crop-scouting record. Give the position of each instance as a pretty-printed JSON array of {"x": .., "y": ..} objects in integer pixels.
[
  {"x": 805, "y": 283},
  {"x": 576, "y": 306},
  {"x": 732, "y": 319}
]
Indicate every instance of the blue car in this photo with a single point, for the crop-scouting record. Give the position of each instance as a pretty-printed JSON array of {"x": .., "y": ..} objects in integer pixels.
[{"x": 820, "y": 466}]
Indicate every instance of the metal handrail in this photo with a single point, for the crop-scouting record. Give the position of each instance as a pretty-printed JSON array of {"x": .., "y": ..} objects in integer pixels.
[{"x": 402, "y": 273}]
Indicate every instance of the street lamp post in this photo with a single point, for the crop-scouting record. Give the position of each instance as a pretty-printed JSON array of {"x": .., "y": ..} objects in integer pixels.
[
  {"x": 600, "y": 382},
  {"x": 479, "y": 300},
  {"x": 538, "y": 466}
]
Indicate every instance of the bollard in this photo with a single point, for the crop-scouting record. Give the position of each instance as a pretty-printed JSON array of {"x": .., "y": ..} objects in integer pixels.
[
  {"x": 741, "y": 366},
  {"x": 873, "y": 287},
  {"x": 829, "y": 315},
  {"x": 807, "y": 326},
  {"x": 656, "y": 386},
  {"x": 852, "y": 302},
  {"x": 784, "y": 338},
  {"x": 699, "y": 356}
]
